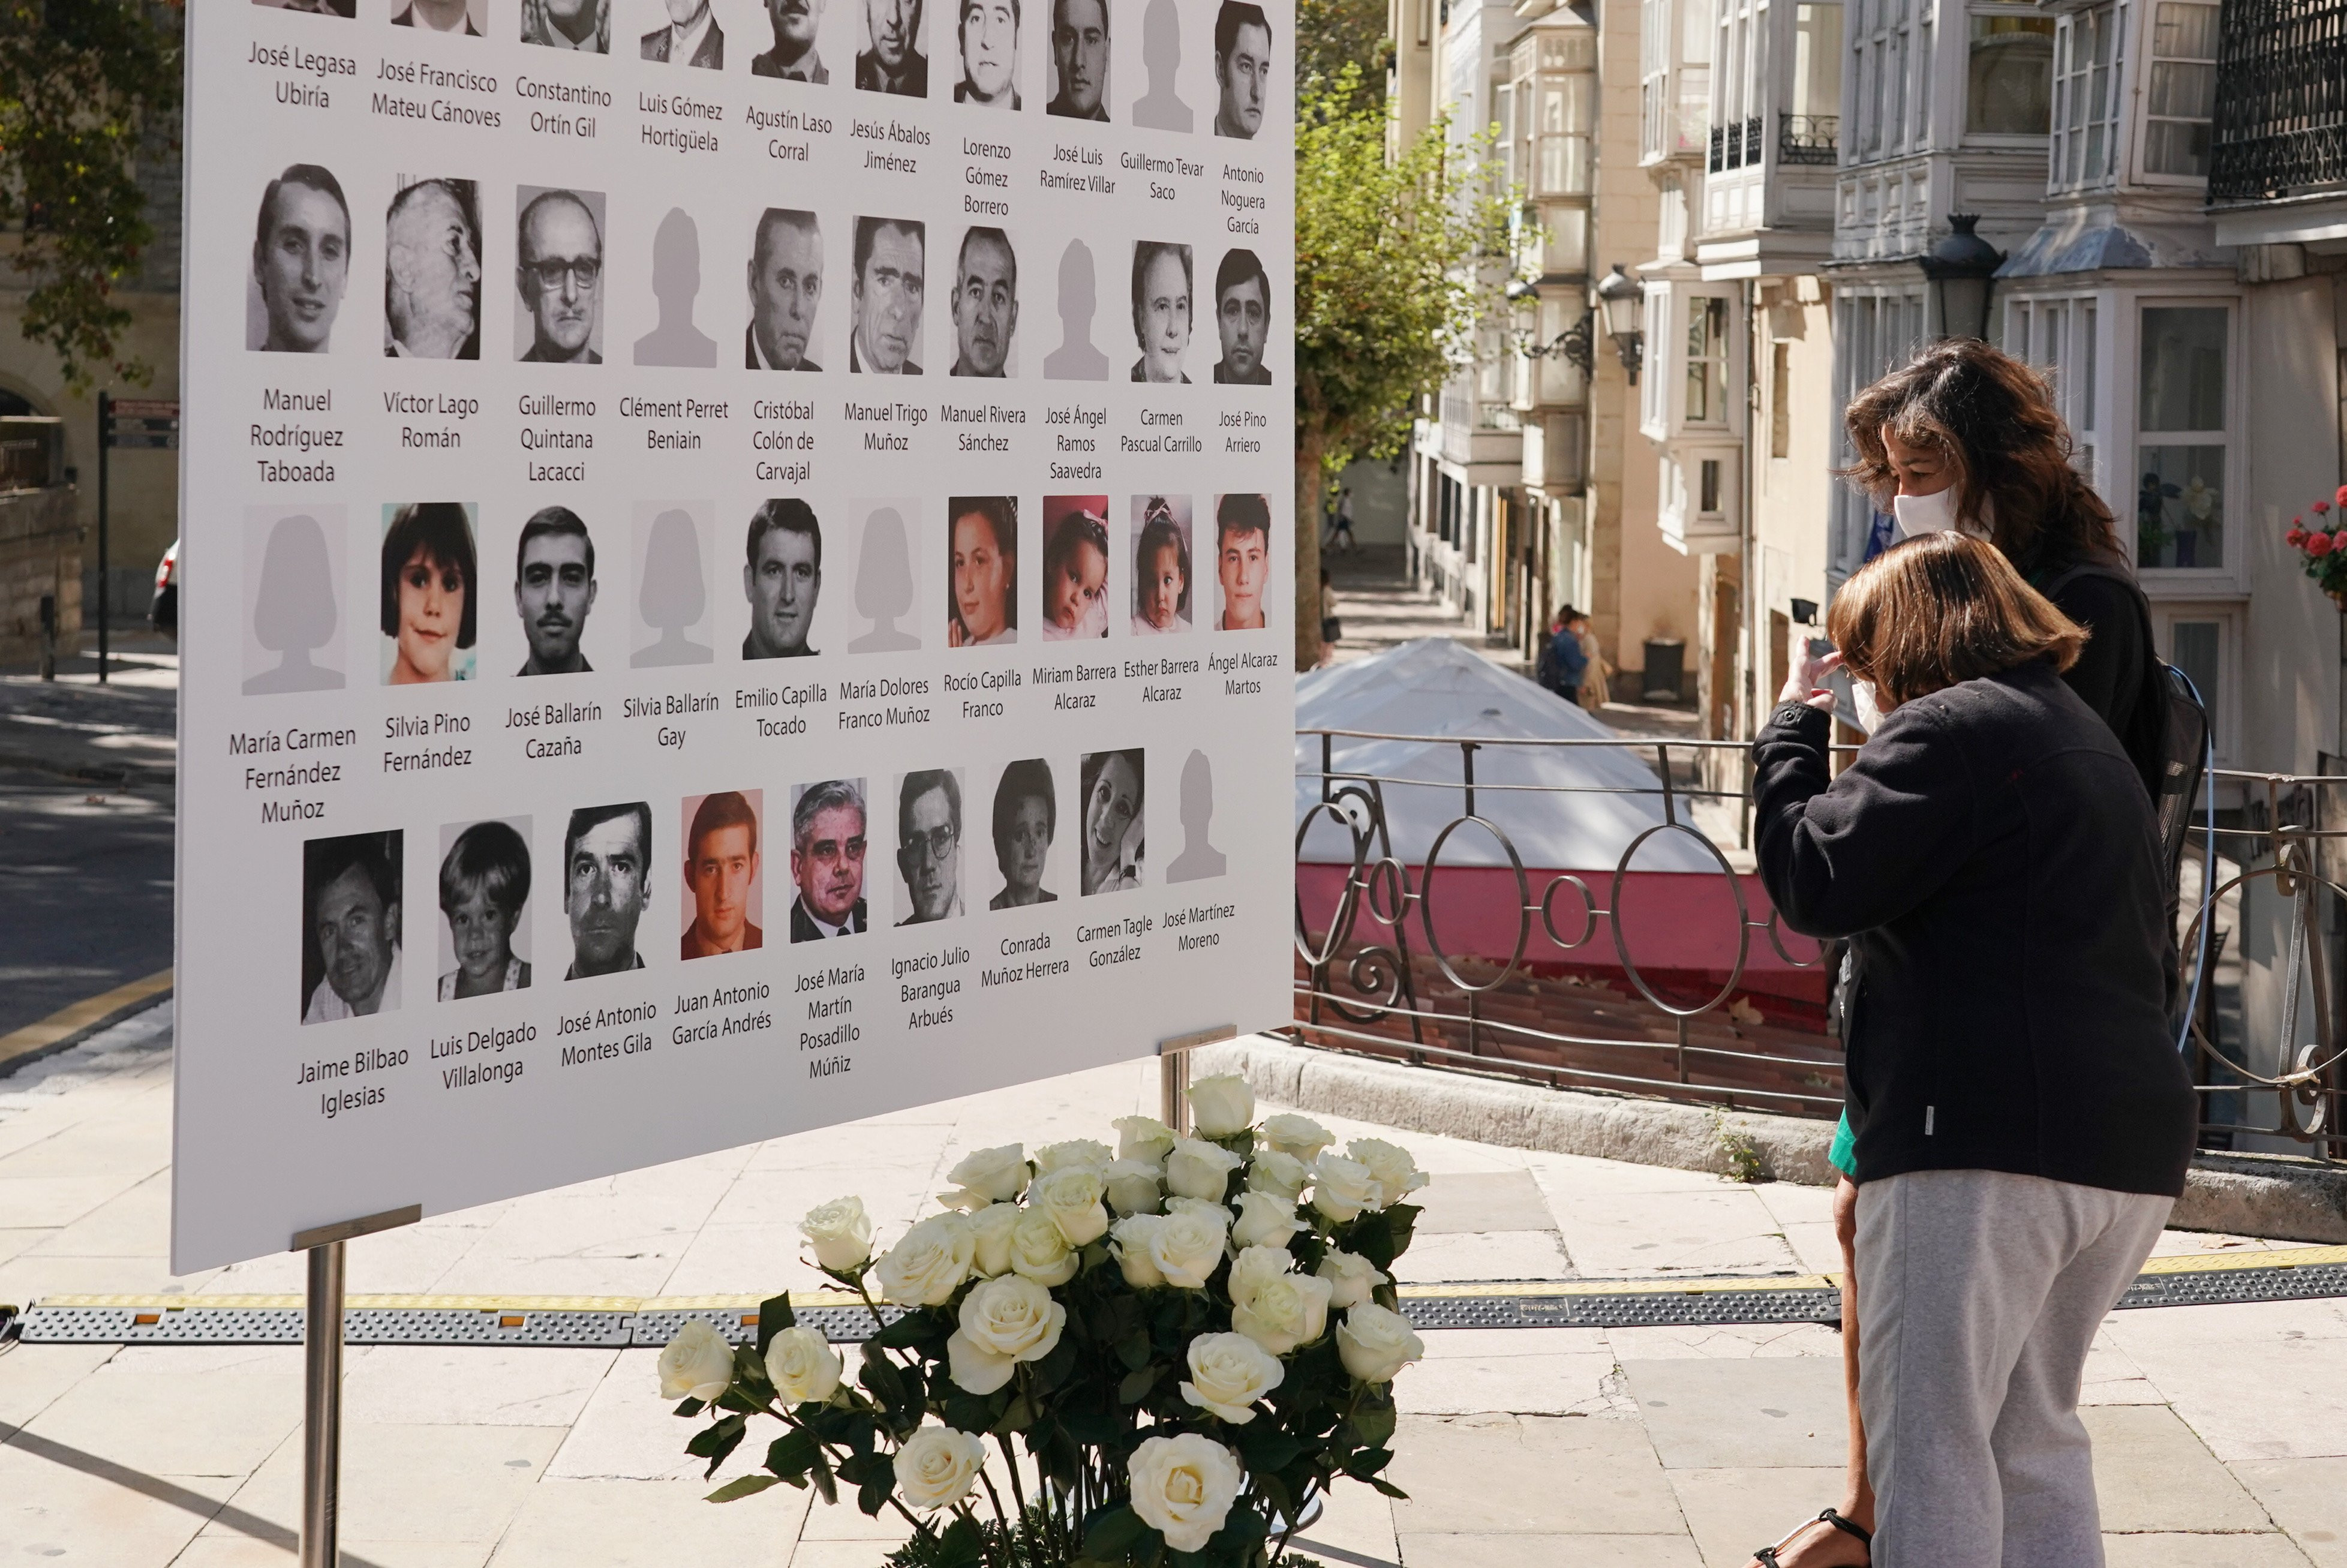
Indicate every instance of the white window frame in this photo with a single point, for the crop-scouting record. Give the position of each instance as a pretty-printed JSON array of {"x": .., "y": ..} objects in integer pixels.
[
  {"x": 1662, "y": 404},
  {"x": 1863, "y": 351},
  {"x": 2227, "y": 698},
  {"x": 2125, "y": 422},
  {"x": 1886, "y": 37},
  {"x": 2140, "y": 110},
  {"x": 1963, "y": 131},
  {"x": 2062, "y": 335},
  {"x": 2073, "y": 80}
]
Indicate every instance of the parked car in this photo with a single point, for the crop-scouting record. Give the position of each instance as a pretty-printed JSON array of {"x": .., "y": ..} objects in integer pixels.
[{"x": 163, "y": 612}]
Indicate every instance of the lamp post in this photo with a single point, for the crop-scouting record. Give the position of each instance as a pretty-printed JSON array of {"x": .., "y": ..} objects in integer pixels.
[
  {"x": 1572, "y": 345},
  {"x": 1962, "y": 267},
  {"x": 1624, "y": 300}
]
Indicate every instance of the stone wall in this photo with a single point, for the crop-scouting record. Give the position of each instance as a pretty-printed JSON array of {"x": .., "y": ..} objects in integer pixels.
[{"x": 40, "y": 553}]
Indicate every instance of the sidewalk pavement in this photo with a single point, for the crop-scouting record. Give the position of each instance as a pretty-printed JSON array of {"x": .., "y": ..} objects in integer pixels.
[
  {"x": 125, "y": 732},
  {"x": 2220, "y": 1432}
]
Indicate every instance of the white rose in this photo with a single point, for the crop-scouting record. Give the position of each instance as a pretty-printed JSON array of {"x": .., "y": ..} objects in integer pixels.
[
  {"x": 1396, "y": 1172},
  {"x": 936, "y": 1465},
  {"x": 1143, "y": 1138},
  {"x": 1188, "y": 1247},
  {"x": 1213, "y": 1209},
  {"x": 1375, "y": 1343},
  {"x": 1133, "y": 1185},
  {"x": 1352, "y": 1276},
  {"x": 1185, "y": 1487},
  {"x": 1039, "y": 1252},
  {"x": 841, "y": 1234},
  {"x": 997, "y": 1175},
  {"x": 1342, "y": 1188},
  {"x": 1284, "y": 1311},
  {"x": 1283, "y": 1176},
  {"x": 1266, "y": 1219},
  {"x": 803, "y": 1366},
  {"x": 1229, "y": 1373},
  {"x": 1299, "y": 1135},
  {"x": 1070, "y": 1195},
  {"x": 1003, "y": 1322},
  {"x": 1256, "y": 1267},
  {"x": 1090, "y": 1152},
  {"x": 697, "y": 1364},
  {"x": 1196, "y": 1168},
  {"x": 1222, "y": 1105},
  {"x": 989, "y": 1234},
  {"x": 928, "y": 1262},
  {"x": 1129, "y": 1241}
]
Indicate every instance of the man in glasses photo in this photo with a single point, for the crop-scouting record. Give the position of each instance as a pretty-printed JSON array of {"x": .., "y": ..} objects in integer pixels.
[
  {"x": 559, "y": 273},
  {"x": 929, "y": 844}
]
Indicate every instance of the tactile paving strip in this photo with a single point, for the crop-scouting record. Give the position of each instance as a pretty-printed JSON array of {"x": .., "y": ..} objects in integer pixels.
[{"x": 616, "y": 1322}]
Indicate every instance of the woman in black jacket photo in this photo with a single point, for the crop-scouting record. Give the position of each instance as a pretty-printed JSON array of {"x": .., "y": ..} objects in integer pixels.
[{"x": 2021, "y": 1120}]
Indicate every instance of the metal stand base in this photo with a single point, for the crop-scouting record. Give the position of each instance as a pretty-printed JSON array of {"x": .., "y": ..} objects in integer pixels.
[
  {"x": 1173, "y": 1073},
  {"x": 322, "y": 1378}
]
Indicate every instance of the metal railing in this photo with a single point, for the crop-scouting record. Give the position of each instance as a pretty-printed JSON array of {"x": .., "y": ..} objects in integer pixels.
[
  {"x": 1814, "y": 138},
  {"x": 2282, "y": 100},
  {"x": 1574, "y": 997}
]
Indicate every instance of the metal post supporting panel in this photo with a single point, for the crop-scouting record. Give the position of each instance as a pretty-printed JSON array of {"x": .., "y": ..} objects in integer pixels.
[
  {"x": 322, "y": 1378},
  {"x": 1173, "y": 1073},
  {"x": 105, "y": 451}
]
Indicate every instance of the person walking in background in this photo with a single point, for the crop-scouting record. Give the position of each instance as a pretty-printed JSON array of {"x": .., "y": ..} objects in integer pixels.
[
  {"x": 1595, "y": 690},
  {"x": 1332, "y": 628},
  {"x": 1568, "y": 660},
  {"x": 1341, "y": 526},
  {"x": 2023, "y": 1123},
  {"x": 1966, "y": 437}
]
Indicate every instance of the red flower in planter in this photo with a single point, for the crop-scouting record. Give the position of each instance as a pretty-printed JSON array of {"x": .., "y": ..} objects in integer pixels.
[
  {"x": 2321, "y": 508},
  {"x": 2318, "y": 544},
  {"x": 2295, "y": 538},
  {"x": 2343, "y": 496}
]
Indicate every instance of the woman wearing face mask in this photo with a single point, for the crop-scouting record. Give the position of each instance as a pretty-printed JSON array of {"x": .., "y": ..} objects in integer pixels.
[
  {"x": 2023, "y": 1121},
  {"x": 1964, "y": 438}
]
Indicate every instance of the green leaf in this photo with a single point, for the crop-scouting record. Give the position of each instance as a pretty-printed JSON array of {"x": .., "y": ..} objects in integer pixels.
[
  {"x": 1375, "y": 1423},
  {"x": 963, "y": 1545},
  {"x": 1266, "y": 1448},
  {"x": 793, "y": 1454},
  {"x": 1091, "y": 1429},
  {"x": 872, "y": 1492},
  {"x": 968, "y": 1412},
  {"x": 1387, "y": 1487},
  {"x": 774, "y": 1314},
  {"x": 1018, "y": 1416},
  {"x": 716, "y": 1441},
  {"x": 906, "y": 1332},
  {"x": 881, "y": 1379},
  {"x": 692, "y": 1408},
  {"x": 1366, "y": 1462},
  {"x": 1136, "y": 1385},
  {"x": 1115, "y": 1535},
  {"x": 820, "y": 1473},
  {"x": 1401, "y": 1221},
  {"x": 1243, "y": 1531},
  {"x": 743, "y": 1486},
  {"x": 1133, "y": 1350},
  {"x": 1052, "y": 1369}
]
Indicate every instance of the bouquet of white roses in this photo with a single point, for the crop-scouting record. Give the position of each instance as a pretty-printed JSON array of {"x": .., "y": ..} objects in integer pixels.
[{"x": 1174, "y": 1347}]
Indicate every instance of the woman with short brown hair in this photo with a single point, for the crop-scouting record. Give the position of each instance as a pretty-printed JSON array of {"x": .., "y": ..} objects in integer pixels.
[{"x": 2023, "y": 1121}]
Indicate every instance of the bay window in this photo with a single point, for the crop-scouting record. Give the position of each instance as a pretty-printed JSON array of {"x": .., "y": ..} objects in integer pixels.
[
  {"x": 2008, "y": 74},
  {"x": 2089, "y": 51},
  {"x": 2181, "y": 95},
  {"x": 2182, "y": 404}
]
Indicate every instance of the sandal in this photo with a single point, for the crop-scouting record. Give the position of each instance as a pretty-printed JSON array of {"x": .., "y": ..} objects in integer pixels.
[{"x": 1767, "y": 1555}]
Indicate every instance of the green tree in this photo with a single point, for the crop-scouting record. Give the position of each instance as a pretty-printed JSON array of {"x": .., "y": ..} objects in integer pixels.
[
  {"x": 1333, "y": 33},
  {"x": 1395, "y": 260},
  {"x": 84, "y": 86}
]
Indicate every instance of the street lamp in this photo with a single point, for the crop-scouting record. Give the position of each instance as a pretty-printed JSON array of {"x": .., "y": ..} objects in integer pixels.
[
  {"x": 1961, "y": 268},
  {"x": 1624, "y": 300},
  {"x": 1572, "y": 345}
]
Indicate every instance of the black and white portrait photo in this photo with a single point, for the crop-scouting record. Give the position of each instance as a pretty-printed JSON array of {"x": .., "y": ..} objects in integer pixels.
[
  {"x": 432, "y": 270},
  {"x": 342, "y": 8},
  {"x": 984, "y": 303},
  {"x": 293, "y": 565},
  {"x": 554, "y": 590},
  {"x": 1161, "y": 565},
  {"x": 350, "y": 926},
  {"x": 463, "y": 18},
  {"x": 300, "y": 262},
  {"x": 1161, "y": 310},
  {"x": 688, "y": 34},
  {"x": 781, "y": 578},
  {"x": 988, "y": 37},
  {"x": 887, "y": 297},
  {"x": 795, "y": 56},
  {"x": 785, "y": 288},
  {"x": 1026, "y": 821},
  {"x": 894, "y": 59},
  {"x": 430, "y": 609},
  {"x": 559, "y": 276},
  {"x": 1112, "y": 844},
  {"x": 827, "y": 844},
  {"x": 1242, "y": 68},
  {"x": 607, "y": 886},
  {"x": 1079, "y": 60},
  {"x": 584, "y": 25},
  {"x": 1242, "y": 320},
  {"x": 983, "y": 531},
  {"x": 484, "y": 908},
  {"x": 929, "y": 846}
]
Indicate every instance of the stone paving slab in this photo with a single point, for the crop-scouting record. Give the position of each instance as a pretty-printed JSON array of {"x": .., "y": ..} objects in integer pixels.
[{"x": 2221, "y": 1432}]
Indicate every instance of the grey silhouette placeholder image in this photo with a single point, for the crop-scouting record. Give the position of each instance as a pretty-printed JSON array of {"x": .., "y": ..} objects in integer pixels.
[
  {"x": 1161, "y": 107},
  {"x": 584, "y": 25},
  {"x": 672, "y": 585},
  {"x": 785, "y": 288},
  {"x": 557, "y": 276},
  {"x": 554, "y": 590},
  {"x": 988, "y": 36},
  {"x": 300, "y": 262},
  {"x": 484, "y": 908},
  {"x": 1242, "y": 68},
  {"x": 689, "y": 35},
  {"x": 607, "y": 855},
  {"x": 1076, "y": 359},
  {"x": 350, "y": 926},
  {"x": 886, "y": 587},
  {"x": 676, "y": 283},
  {"x": 1199, "y": 858},
  {"x": 795, "y": 56},
  {"x": 783, "y": 579},
  {"x": 293, "y": 593},
  {"x": 1080, "y": 47},
  {"x": 886, "y": 296},
  {"x": 432, "y": 270}
]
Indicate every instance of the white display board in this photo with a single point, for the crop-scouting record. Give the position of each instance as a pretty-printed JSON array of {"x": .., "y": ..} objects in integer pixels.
[{"x": 740, "y": 575}]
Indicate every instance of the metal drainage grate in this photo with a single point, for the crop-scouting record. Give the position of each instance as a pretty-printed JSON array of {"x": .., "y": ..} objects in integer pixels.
[
  {"x": 2227, "y": 1287},
  {"x": 1622, "y": 1310}
]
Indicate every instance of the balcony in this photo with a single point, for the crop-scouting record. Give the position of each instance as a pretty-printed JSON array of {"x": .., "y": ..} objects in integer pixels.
[
  {"x": 1812, "y": 138},
  {"x": 1736, "y": 145},
  {"x": 2280, "y": 132}
]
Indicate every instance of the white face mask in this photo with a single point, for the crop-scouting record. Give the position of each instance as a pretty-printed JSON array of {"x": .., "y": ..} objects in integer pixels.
[
  {"x": 1935, "y": 514},
  {"x": 1870, "y": 710}
]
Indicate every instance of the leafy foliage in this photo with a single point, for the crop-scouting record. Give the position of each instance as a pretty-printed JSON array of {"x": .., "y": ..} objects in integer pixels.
[
  {"x": 1333, "y": 33},
  {"x": 83, "y": 83}
]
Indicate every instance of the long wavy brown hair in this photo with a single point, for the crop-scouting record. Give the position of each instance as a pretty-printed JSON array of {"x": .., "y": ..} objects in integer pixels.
[{"x": 1991, "y": 418}]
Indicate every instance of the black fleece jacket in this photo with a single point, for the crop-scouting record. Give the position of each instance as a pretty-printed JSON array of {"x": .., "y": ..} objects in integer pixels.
[{"x": 1999, "y": 881}]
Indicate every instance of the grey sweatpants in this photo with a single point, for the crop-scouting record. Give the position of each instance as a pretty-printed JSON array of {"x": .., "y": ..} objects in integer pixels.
[{"x": 1978, "y": 1295}]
